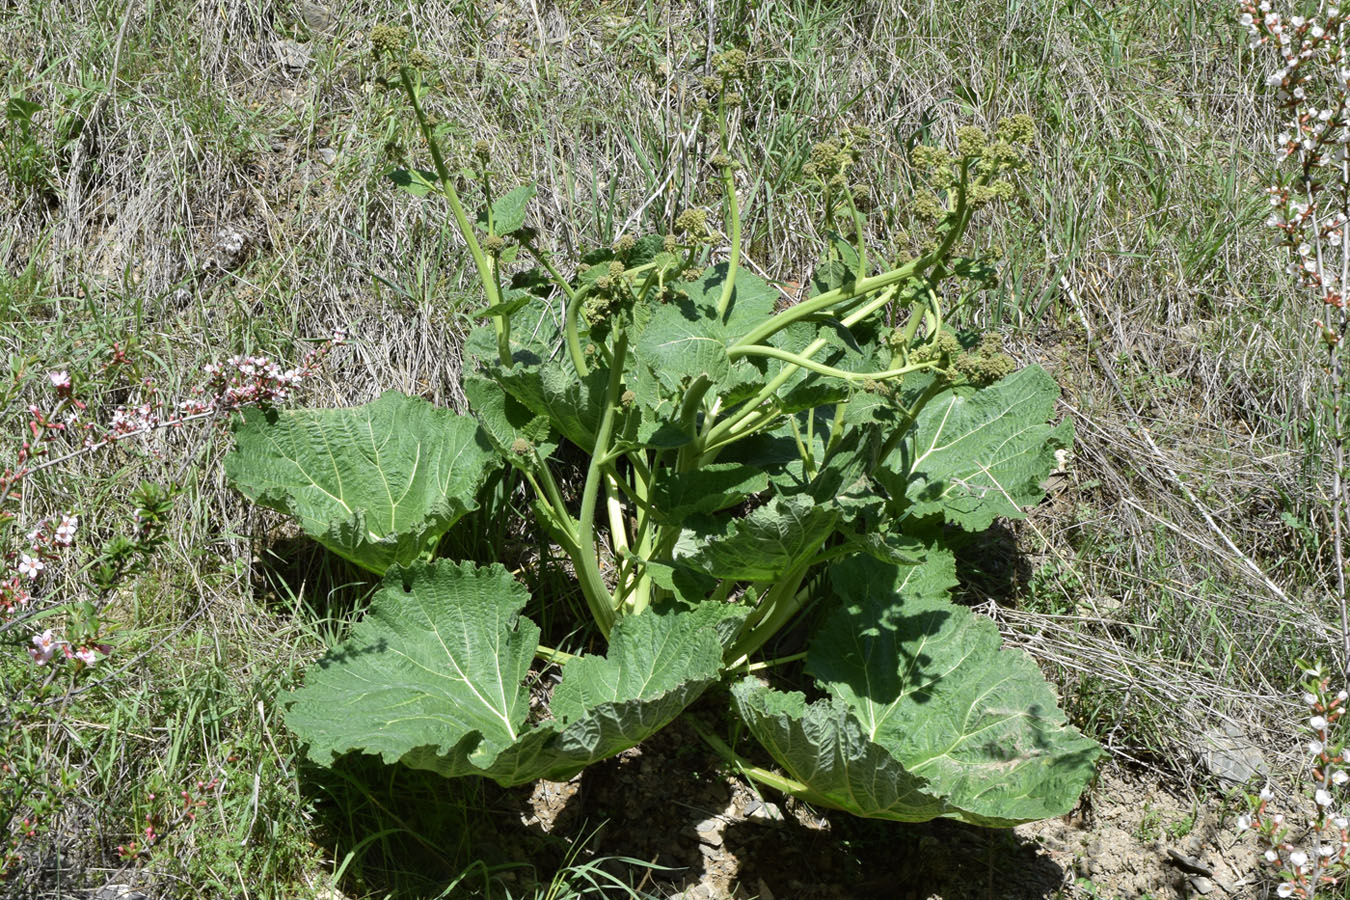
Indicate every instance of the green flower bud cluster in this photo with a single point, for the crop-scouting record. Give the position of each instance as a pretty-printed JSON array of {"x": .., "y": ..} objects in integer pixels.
[
  {"x": 388, "y": 40},
  {"x": 494, "y": 244},
  {"x": 829, "y": 162},
  {"x": 982, "y": 157},
  {"x": 939, "y": 349},
  {"x": 692, "y": 222},
  {"x": 610, "y": 295},
  {"x": 729, "y": 67},
  {"x": 625, "y": 244},
  {"x": 986, "y": 363}
]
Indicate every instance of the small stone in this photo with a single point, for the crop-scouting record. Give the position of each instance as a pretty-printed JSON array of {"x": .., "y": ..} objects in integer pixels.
[
  {"x": 327, "y": 155},
  {"x": 292, "y": 56},
  {"x": 1201, "y": 884},
  {"x": 765, "y": 812},
  {"x": 118, "y": 892},
  {"x": 316, "y": 16},
  {"x": 709, "y": 831},
  {"x": 1230, "y": 756}
]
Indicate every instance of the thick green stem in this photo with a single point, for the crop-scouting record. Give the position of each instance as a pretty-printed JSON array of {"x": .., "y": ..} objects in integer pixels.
[
  {"x": 588, "y": 563},
  {"x": 780, "y": 604},
  {"x": 730, "y": 428},
  {"x": 549, "y": 654}
]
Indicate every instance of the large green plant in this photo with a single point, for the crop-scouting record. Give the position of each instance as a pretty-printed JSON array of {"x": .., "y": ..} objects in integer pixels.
[{"x": 749, "y": 469}]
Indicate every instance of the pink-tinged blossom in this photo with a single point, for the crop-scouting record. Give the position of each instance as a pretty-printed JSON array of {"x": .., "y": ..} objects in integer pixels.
[
  {"x": 60, "y": 380},
  {"x": 44, "y": 647},
  {"x": 86, "y": 655}
]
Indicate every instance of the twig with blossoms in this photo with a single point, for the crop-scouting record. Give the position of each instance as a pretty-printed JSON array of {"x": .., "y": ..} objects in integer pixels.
[
  {"x": 1311, "y": 207},
  {"x": 1305, "y": 863}
]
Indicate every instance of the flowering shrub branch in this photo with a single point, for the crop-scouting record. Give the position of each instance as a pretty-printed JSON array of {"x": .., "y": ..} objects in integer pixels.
[
  {"x": 1311, "y": 206},
  {"x": 1304, "y": 862}
]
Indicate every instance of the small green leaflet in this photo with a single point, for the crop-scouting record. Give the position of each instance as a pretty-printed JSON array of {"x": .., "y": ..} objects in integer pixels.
[
  {"x": 418, "y": 182},
  {"x": 508, "y": 210}
]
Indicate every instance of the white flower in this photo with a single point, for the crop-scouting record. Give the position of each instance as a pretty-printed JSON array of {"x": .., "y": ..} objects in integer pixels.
[
  {"x": 65, "y": 532},
  {"x": 1322, "y": 797},
  {"x": 1272, "y": 856},
  {"x": 1340, "y": 822},
  {"x": 1316, "y": 747},
  {"x": 1342, "y": 696},
  {"x": 1318, "y": 722},
  {"x": 1309, "y": 699},
  {"x": 60, "y": 380},
  {"x": 1339, "y": 777},
  {"x": 1326, "y": 850},
  {"x": 1298, "y": 859},
  {"x": 86, "y": 655},
  {"x": 30, "y": 566},
  {"x": 1285, "y": 890},
  {"x": 1244, "y": 822},
  {"x": 1266, "y": 793}
]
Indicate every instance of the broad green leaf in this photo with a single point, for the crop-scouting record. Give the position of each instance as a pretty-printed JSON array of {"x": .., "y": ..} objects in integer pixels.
[
  {"x": 752, "y": 300},
  {"x": 678, "y": 349},
  {"x": 974, "y": 455},
  {"x": 974, "y": 727},
  {"x": 418, "y": 182},
  {"x": 377, "y": 484},
  {"x": 822, "y": 745},
  {"x": 435, "y": 677},
  {"x": 703, "y": 491},
  {"x": 508, "y": 210},
  {"x": 552, "y": 388},
  {"x": 764, "y": 545}
]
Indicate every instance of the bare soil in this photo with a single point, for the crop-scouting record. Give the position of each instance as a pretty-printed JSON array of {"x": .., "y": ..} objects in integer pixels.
[{"x": 672, "y": 803}]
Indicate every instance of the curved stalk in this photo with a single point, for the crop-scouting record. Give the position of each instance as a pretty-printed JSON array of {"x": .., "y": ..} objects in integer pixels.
[
  {"x": 853, "y": 378},
  {"x": 598, "y": 596},
  {"x": 781, "y": 783},
  {"x": 486, "y": 270},
  {"x": 571, "y": 333}
]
